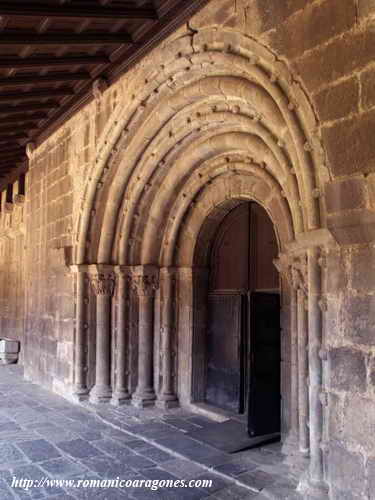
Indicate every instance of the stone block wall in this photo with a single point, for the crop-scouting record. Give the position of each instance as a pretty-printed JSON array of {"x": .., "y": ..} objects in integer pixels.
[
  {"x": 57, "y": 177},
  {"x": 328, "y": 46},
  {"x": 12, "y": 251},
  {"x": 350, "y": 341}
]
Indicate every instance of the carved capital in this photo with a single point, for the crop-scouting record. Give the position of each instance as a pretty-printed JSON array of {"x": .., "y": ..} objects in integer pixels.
[
  {"x": 300, "y": 274},
  {"x": 99, "y": 86},
  {"x": 103, "y": 283},
  {"x": 30, "y": 148},
  {"x": 19, "y": 199},
  {"x": 144, "y": 280},
  {"x": 282, "y": 264},
  {"x": 8, "y": 207},
  {"x": 168, "y": 275}
]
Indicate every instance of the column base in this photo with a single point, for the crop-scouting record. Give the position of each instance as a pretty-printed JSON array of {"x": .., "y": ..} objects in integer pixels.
[
  {"x": 143, "y": 400},
  {"x": 79, "y": 398},
  {"x": 312, "y": 490},
  {"x": 290, "y": 444},
  {"x": 167, "y": 401},
  {"x": 120, "y": 398},
  {"x": 80, "y": 394},
  {"x": 100, "y": 394}
]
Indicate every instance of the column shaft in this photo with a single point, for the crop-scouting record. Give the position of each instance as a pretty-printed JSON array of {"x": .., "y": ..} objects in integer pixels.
[
  {"x": 315, "y": 370},
  {"x": 102, "y": 389},
  {"x": 80, "y": 351},
  {"x": 303, "y": 394},
  {"x": 121, "y": 394},
  {"x": 167, "y": 397},
  {"x": 103, "y": 285},
  {"x": 145, "y": 393},
  {"x": 294, "y": 366}
]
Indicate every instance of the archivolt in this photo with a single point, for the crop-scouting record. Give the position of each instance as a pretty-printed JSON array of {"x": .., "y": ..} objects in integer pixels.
[{"x": 220, "y": 111}]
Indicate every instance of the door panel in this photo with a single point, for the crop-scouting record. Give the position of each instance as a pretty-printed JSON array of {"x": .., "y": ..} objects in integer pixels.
[
  {"x": 264, "y": 394},
  {"x": 264, "y": 249},
  {"x": 224, "y": 351},
  {"x": 230, "y": 253}
]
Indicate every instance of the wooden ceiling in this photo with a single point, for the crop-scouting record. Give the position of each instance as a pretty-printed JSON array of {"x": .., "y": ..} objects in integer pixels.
[{"x": 51, "y": 52}]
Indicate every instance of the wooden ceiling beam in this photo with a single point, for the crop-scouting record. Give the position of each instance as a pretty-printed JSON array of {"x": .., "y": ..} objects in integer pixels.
[
  {"x": 11, "y": 137},
  {"x": 63, "y": 38},
  {"x": 36, "y": 9},
  {"x": 31, "y": 106},
  {"x": 11, "y": 163},
  {"x": 23, "y": 118},
  {"x": 39, "y": 62},
  {"x": 36, "y": 79},
  {"x": 12, "y": 150},
  {"x": 12, "y": 157},
  {"x": 41, "y": 93},
  {"x": 26, "y": 125}
]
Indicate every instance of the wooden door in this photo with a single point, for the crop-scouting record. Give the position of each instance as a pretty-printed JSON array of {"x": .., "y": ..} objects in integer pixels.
[
  {"x": 264, "y": 393},
  {"x": 241, "y": 262},
  {"x": 228, "y": 284},
  {"x": 224, "y": 367}
]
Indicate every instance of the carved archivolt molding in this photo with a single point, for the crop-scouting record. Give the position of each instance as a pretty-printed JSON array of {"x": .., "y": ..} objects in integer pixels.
[{"x": 251, "y": 116}]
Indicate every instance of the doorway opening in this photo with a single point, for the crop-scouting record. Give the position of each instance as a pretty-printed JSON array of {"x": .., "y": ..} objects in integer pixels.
[{"x": 243, "y": 323}]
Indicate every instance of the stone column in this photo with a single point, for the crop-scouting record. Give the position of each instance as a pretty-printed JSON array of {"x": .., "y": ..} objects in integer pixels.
[
  {"x": 294, "y": 366},
  {"x": 303, "y": 373},
  {"x": 145, "y": 281},
  {"x": 121, "y": 395},
  {"x": 103, "y": 284},
  {"x": 300, "y": 283},
  {"x": 290, "y": 421},
  {"x": 317, "y": 485},
  {"x": 167, "y": 397},
  {"x": 80, "y": 370}
]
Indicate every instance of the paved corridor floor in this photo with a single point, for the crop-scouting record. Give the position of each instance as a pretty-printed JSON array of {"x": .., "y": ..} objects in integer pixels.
[{"x": 43, "y": 435}]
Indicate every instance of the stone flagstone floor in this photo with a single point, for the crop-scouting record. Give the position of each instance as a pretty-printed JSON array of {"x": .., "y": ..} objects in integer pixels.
[{"x": 44, "y": 435}]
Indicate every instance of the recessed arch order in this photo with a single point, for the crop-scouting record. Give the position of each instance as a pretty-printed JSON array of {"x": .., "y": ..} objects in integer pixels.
[{"x": 216, "y": 113}]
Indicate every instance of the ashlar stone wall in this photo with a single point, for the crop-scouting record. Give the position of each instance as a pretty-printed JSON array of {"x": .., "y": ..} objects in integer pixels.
[
  {"x": 12, "y": 265},
  {"x": 322, "y": 55}
]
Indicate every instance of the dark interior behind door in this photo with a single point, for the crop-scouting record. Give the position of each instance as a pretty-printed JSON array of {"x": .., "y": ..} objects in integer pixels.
[{"x": 264, "y": 393}]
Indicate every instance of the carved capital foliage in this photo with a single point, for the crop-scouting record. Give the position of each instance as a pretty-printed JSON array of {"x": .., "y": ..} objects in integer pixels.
[
  {"x": 144, "y": 280},
  {"x": 299, "y": 273},
  {"x": 103, "y": 283},
  {"x": 294, "y": 269},
  {"x": 145, "y": 285},
  {"x": 168, "y": 277},
  {"x": 99, "y": 86}
]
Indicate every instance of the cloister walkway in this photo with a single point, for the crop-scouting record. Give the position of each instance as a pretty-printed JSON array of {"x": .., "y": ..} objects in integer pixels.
[{"x": 43, "y": 435}]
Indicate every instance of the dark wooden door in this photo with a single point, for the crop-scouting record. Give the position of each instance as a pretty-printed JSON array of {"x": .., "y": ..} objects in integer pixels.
[
  {"x": 241, "y": 262},
  {"x": 224, "y": 365},
  {"x": 264, "y": 393}
]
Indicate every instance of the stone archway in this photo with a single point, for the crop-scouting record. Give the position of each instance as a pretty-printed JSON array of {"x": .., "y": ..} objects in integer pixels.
[{"x": 189, "y": 145}]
